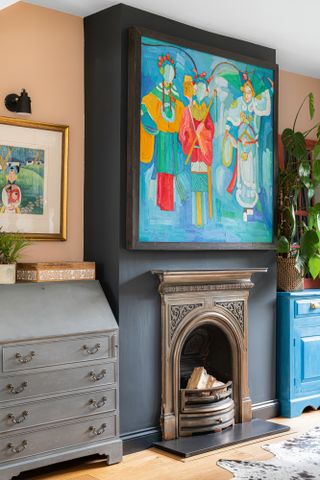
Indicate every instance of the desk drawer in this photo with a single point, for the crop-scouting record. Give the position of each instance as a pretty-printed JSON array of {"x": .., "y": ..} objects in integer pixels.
[
  {"x": 30, "y": 442},
  {"x": 57, "y": 409},
  {"x": 30, "y": 384},
  {"x": 22, "y": 356},
  {"x": 307, "y": 307}
]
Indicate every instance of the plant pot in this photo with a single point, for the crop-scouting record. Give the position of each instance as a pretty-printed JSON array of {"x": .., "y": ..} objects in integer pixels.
[
  {"x": 7, "y": 273},
  {"x": 288, "y": 277},
  {"x": 309, "y": 283}
]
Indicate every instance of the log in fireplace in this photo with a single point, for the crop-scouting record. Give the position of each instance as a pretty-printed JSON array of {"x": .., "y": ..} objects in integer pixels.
[{"x": 204, "y": 318}]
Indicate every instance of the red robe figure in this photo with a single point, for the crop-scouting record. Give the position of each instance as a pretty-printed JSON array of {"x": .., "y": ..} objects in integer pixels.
[{"x": 196, "y": 137}]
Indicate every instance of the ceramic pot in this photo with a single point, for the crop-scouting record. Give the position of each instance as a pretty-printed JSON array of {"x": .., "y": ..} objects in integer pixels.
[
  {"x": 309, "y": 283},
  {"x": 7, "y": 273}
]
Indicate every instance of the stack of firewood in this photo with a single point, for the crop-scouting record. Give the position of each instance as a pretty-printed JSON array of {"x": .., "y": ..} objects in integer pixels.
[{"x": 201, "y": 380}]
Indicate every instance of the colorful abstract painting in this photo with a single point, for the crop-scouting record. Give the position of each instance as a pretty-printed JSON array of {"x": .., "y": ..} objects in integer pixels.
[
  {"x": 21, "y": 180},
  {"x": 206, "y": 148}
]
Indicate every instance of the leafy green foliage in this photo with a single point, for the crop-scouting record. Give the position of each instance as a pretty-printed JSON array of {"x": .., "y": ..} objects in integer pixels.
[
  {"x": 314, "y": 265},
  {"x": 310, "y": 242},
  {"x": 311, "y": 105},
  {"x": 11, "y": 245},
  {"x": 283, "y": 245},
  {"x": 304, "y": 169},
  {"x": 294, "y": 143},
  {"x": 301, "y": 172}
]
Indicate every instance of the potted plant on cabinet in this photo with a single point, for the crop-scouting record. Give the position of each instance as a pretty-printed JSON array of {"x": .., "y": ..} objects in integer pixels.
[
  {"x": 11, "y": 245},
  {"x": 310, "y": 247},
  {"x": 300, "y": 172}
]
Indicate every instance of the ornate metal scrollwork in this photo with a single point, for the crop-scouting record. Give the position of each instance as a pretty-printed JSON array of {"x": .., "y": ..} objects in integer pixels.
[
  {"x": 177, "y": 314},
  {"x": 236, "y": 309}
]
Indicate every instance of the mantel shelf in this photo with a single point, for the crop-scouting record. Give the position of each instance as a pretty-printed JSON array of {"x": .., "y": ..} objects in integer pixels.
[{"x": 188, "y": 277}]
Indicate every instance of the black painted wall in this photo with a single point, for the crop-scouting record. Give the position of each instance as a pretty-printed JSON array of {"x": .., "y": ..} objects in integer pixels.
[{"x": 125, "y": 275}]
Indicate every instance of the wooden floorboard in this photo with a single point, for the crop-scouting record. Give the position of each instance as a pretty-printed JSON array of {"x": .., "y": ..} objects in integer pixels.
[{"x": 153, "y": 465}]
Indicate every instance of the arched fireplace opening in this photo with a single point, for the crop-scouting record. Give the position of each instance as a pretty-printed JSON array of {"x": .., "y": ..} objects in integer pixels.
[
  {"x": 204, "y": 386},
  {"x": 206, "y": 346}
]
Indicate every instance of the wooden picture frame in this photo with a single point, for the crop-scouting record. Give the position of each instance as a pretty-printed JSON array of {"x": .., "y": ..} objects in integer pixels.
[
  {"x": 140, "y": 88},
  {"x": 33, "y": 178}
]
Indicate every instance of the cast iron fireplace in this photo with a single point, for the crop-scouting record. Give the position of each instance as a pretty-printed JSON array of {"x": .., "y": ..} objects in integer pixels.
[{"x": 204, "y": 318}]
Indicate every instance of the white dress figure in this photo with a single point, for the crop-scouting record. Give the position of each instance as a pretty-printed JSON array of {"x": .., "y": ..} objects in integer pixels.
[{"x": 245, "y": 114}]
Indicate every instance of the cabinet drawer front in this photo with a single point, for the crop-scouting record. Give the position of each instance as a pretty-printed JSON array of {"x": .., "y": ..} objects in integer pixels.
[
  {"x": 56, "y": 409},
  {"x": 28, "y": 385},
  {"x": 31, "y": 442},
  {"x": 58, "y": 352},
  {"x": 307, "y": 307}
]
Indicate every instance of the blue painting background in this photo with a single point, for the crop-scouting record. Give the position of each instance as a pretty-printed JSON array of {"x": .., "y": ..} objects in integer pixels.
[{"x": 227, "y": 225}]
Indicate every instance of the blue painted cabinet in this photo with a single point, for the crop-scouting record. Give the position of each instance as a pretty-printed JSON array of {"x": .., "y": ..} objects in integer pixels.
[{"x": 298, "y": 351}]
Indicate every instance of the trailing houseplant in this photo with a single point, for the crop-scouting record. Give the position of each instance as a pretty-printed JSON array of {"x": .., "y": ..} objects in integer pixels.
[
  {"x": 11, "y": 246},
  {"x": 301, "y": 171}
]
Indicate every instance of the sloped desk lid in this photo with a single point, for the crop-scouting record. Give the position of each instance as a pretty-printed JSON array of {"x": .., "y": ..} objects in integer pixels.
[{"x": 38, "y": 310}]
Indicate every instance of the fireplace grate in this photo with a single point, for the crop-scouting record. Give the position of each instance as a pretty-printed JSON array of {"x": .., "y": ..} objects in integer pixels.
[{"x": 207, "y": 410}]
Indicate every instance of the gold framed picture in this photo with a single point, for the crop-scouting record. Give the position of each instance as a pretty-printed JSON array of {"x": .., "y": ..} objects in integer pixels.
[{"x": 33, "y": 178}]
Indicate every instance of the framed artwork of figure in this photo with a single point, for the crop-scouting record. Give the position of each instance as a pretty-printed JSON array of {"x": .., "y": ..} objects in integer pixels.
[
  {"x": 33, "y": 179},
  {"x": 201, "y": 146}
]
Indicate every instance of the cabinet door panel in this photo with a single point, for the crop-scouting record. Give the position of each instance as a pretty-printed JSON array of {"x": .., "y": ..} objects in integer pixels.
[
  {"x": 310, "y": 358},
  {"x": 307, "y": 358}
]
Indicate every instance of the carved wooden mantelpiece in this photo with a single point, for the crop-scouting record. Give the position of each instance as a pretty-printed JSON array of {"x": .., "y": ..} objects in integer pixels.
[{"x": 191, "y": 299}]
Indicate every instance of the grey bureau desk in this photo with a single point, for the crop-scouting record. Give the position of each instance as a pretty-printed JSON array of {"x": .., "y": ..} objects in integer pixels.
[{"x": 58, "y": 375}]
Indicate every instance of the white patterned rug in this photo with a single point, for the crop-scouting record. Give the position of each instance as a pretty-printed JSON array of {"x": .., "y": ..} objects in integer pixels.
[{"x": 295, "y": 459}]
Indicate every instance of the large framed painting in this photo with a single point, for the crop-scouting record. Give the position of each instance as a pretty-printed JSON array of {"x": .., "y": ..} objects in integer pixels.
[
  {"x": 33, "y": 179},
  {"x": 201, "y": 146}
]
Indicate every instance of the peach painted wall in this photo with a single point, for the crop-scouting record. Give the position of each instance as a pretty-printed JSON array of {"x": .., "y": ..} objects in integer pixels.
[
  {"x": 292, "y": 89},
  {"x": 42, "y": 51}
]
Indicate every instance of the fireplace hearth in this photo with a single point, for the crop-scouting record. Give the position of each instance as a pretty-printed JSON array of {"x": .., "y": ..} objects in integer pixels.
[{"x": 204, "y": 323}]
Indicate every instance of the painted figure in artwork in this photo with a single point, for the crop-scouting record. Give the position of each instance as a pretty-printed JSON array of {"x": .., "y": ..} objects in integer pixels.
[
  {"x": 242, "y": 130},
  {"x": 11, "y": 193},
  {"x": 196, "y": 137},
  {"x": 161, "y": 112}
]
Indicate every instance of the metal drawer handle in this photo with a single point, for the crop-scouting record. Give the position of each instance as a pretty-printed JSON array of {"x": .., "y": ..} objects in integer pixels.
[
  {"x": 100, "y": 430},
  {"x": 92, "y": 350},
  {"x": 16, "y": 390},
  {"x": 20, "y": 419},
  {"x": 26, "y": 358},
  {"x": 315, "y": 305},
  {"x": 99, "y": 404},
  {"x": 95, "y": 377},
  {"x": 18, "y": 449}
]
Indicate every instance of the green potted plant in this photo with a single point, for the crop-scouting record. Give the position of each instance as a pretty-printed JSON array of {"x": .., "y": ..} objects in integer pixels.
[
  {"x": 11, "y": 245},
  {"x": 301, "y": 170},
  {"x": 310, "y": 243}
]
